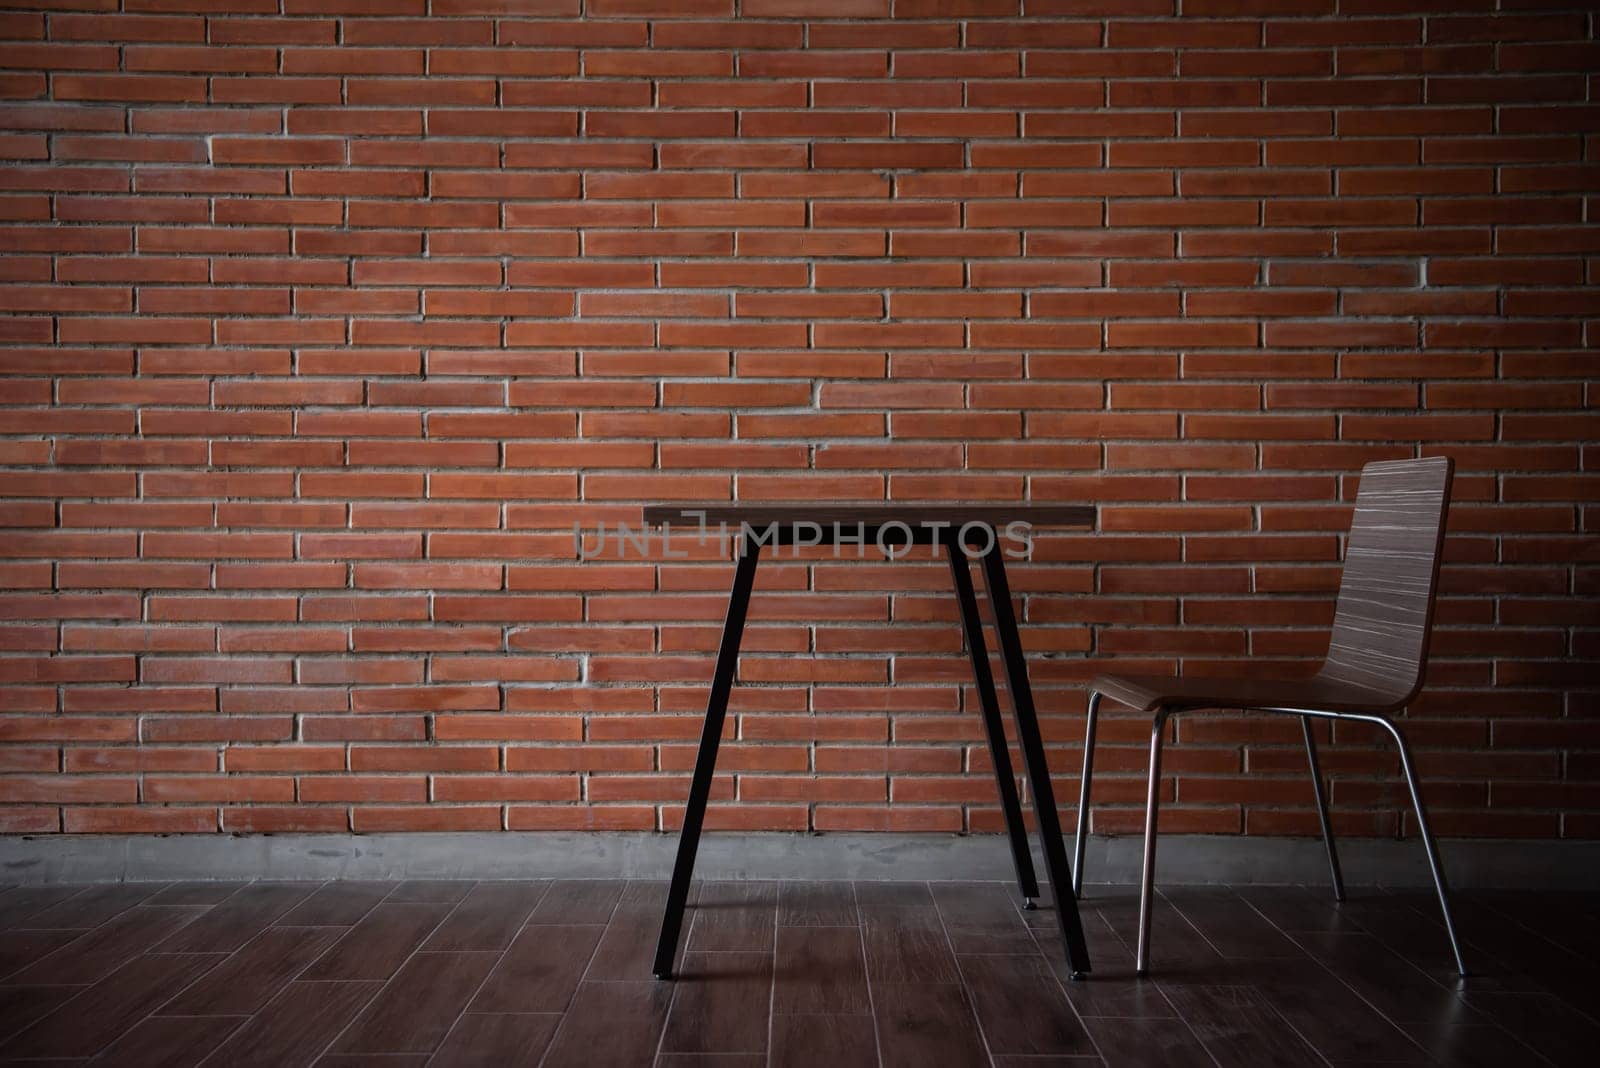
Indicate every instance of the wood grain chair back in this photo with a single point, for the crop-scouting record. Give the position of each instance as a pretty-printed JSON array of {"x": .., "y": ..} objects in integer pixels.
[{"x": 1391, "y": 569}]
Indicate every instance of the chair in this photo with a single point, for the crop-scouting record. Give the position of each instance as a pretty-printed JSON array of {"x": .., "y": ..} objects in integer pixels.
[{"x": 1374, "y": 664}]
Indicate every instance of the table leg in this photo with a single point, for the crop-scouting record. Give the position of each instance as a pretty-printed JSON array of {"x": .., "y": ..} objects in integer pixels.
[
  {"x": 706, "y": 761},
  {"x": 972, "y": 627},
  {"x": 1044, "y": 801}
]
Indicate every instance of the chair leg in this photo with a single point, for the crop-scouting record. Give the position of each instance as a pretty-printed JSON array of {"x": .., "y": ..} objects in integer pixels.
[
  {"x": 1152, "y": 803},
  {"x": 705, "y": 763},
  {"x": 993, "y": 726},
  {"x": 1434, "y": 863},
  {"x": 1322, "y": 808},
  {"x": 1081, "y": 839}
]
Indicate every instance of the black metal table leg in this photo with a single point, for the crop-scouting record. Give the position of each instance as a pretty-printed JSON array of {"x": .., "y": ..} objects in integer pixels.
[
  {"x": 972, "y": 627},
  {"x": 1044, "y": 801},
  {"x": 705, "y": 763}
]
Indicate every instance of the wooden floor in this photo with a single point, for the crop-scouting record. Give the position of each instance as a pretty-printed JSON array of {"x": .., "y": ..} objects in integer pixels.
[{"x": 830, "y": 974}]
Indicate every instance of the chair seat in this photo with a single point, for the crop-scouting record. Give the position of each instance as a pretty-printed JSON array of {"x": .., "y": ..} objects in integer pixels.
[{"x": 1147, "y": 692}]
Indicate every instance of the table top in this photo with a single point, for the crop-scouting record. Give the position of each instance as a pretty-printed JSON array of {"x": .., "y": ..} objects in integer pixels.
[{"x": 873, "y": 516}]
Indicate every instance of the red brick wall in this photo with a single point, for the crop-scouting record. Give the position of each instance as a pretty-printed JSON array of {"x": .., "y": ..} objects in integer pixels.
[{"x": 325, "y": 319}]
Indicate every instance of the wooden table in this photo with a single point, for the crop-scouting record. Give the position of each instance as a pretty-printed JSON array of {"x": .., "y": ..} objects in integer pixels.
[{"x": 965, "y": 531}]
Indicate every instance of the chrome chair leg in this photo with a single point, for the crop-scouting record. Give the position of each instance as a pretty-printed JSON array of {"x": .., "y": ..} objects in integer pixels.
[
  {"x": 1151, "y": 804},
  {"x": 1322, "y": 809},
  {"x": 1427, "y": 838},
  {"x": 1081, "y": 839}
]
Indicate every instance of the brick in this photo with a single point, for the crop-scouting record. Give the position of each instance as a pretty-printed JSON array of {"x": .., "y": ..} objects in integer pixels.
[
  {"x": 376, "y": 819},
  {"x": 215, "y": 788},
  {"x": 886, "y": 155},
  {"x": 67, "y": 789},
  {"x": 425, "y": 698},
  {"x": 142, "y": 820},
  {"x": 216, "y": 670},
  {"x": 581, "y": 818},
  {"x": 418, "y": 758},
  {"x": 362, "y": 788},
  {"x": 364, "y": 606},
  {"x": 503, "y": 788}
]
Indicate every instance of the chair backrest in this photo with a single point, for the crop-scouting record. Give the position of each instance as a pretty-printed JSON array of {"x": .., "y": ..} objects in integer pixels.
[{"x": 1391, "y": 568}]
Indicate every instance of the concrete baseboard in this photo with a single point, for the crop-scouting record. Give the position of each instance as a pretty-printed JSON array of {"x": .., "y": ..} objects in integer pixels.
[{"x": 1195, "y": 859}]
